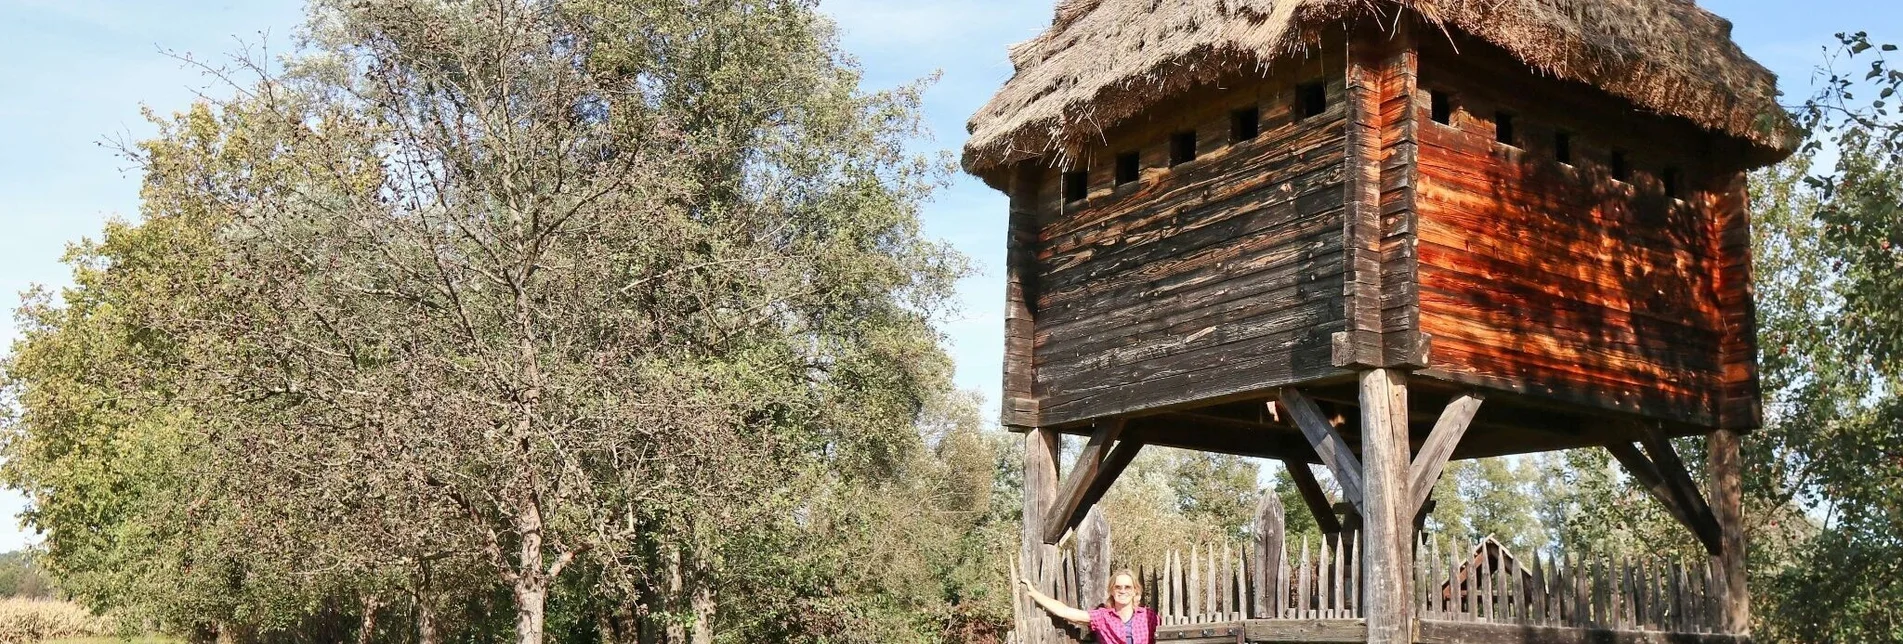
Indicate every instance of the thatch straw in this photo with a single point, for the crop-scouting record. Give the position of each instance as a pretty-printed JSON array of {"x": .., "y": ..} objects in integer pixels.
[{"x": 1103, "y": 61}]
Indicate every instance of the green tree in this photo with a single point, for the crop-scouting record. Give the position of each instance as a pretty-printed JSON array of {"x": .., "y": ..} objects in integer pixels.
[
  {"x": 1830, "y": 266},
  {"x": 1218, "y": 491},
  {"x": 597, "y": 298},
  {"x": 1490, "y": 497},
  {"x": 1296, "y": 518},
  {"x": 21, "y": 576}
]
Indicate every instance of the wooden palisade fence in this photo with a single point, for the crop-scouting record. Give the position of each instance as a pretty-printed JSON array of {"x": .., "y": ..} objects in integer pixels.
[
  {"x": 1485, "y": 584},
  {"x": 1310, "y": 580}
]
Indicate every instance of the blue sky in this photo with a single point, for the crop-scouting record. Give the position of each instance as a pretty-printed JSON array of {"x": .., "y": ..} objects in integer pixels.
[{"x": 76, "y": 73}]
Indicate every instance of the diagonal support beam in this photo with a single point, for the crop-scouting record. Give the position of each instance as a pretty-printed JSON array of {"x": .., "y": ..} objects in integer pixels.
[
  {"x": 1428, "y": 465},
  {"x": 1647, "y": 474},
  {"x": 1119, "y": 459},
  {"x": 1313, "y": 496},
  {"x": 1678, "y": 480},
  {"x": 1420, "y": 516},
  {"x": 1070, "y": 507},
  {"x": 1328, "y": 444}
]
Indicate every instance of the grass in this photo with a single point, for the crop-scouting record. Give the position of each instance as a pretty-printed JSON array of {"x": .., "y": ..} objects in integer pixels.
[{"x": 115, "y": 640}]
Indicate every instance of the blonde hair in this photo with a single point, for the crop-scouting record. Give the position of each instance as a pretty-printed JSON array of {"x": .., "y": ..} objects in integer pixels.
[{"x": 1110, "y": 588}]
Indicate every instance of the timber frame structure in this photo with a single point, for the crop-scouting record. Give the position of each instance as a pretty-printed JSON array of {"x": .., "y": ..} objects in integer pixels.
[{"x": 1377, "y": 236}]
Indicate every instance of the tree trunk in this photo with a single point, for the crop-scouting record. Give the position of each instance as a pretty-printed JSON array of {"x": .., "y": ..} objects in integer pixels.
[
  {"x": 703, "y": 632},
  {"x": 676, "y": 632},
  {"x": 531, "y": 583},
  {"x": 426, "y": 629},
  {"x": 367, "y": 628},
  {"x": 531, "y": 598}
]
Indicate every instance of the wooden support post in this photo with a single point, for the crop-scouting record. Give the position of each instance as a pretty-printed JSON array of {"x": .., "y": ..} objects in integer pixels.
[
  {"x": 1387, "y": 512},
  {"x": 1724, "y": 464},
  {"x": 1428, "y": 465},
  {"x": 1313, "y": 496},
  {"x": 1041, "y": 448},
  {"x": 1328, "y": 444},
  {"x": 1069, "y": 506}
]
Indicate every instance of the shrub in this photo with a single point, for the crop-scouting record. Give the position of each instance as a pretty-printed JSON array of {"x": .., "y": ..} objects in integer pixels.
[{"x": 33, "y": 620}]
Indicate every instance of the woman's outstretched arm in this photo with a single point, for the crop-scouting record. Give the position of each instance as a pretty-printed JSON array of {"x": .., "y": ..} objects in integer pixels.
[{"x": 1055, "y": 607}]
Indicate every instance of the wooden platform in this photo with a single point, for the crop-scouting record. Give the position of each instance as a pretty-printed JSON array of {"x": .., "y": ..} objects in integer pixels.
[{"x": 1428, "y": 632}]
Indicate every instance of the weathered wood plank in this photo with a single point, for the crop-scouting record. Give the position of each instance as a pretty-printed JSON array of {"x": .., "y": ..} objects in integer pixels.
[
  {"x": 1298, "y": 356},
  {"x": 1270, "y": 536},
  {"x": 1093, "y": 556},
  {"x": 1446, "y": 632},
  {"x": 1340, "y": 630}
]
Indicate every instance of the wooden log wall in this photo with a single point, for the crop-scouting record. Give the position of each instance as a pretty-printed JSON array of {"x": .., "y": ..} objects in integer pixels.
[
  {"x": 1557, "y": 279},
  {"x": 1214, "y": 277}
]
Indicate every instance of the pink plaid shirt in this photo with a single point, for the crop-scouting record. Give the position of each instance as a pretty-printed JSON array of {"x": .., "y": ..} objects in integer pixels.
[{"x": 1110, "y": 627}]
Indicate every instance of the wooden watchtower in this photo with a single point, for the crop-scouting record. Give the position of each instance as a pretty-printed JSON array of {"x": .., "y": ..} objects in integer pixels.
[{"x": 1323, "y": 231}]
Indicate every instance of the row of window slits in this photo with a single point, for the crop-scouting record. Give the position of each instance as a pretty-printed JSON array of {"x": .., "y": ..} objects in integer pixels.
[
  {"x": 1505, "y": 131},
  {"x": 1244, "y": 125}
]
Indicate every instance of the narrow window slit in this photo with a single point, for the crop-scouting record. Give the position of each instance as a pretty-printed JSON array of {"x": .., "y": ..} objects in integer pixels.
[
  {"x": 1563, "y": 146},
  {"x": 1674, "y": 181},
  {"x": 1076, "y": 185},
  {"x": 1312, "y": 98},
  {"x": 1128, "y": 168},
  {"x": 1182, "y": 148},
  {"x": 1503, "y": 126},
  {"x": 1245, "y": 124},
  {"x": 1621, "y": 170},
  {"x": 1442, "y": 107}
]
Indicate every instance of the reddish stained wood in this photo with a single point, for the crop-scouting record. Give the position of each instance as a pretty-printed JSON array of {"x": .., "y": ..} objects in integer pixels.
[{"x": 1551, "y": 275}]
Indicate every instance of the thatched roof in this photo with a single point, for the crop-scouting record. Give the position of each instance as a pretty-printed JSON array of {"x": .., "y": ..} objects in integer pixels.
[{"x": 1103, "y": 61}]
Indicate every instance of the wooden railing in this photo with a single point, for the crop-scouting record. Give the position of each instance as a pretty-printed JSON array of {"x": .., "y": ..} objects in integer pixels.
[{"x": 1322, "y": 581}]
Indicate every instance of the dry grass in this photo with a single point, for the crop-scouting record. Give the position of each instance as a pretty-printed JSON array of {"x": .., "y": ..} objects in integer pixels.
[
  {"x": 34, "y": 620},
  {"x": 1105, "y": 61}
]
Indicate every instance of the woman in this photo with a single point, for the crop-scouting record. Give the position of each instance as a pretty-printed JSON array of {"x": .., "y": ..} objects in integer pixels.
[{"x": 1119, "y": 620}]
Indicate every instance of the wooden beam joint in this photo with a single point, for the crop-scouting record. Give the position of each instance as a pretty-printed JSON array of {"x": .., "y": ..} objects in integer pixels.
[
  {"x": 1104, "y": 458},
  {"x": 1659, "y": 470},
  {"x": 1329, "y": 446}
]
